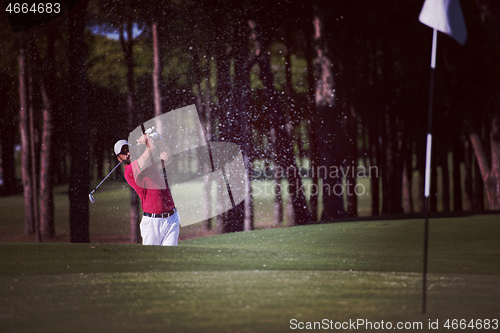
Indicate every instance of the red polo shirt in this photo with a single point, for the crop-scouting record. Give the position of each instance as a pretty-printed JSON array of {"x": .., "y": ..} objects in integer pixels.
[{"x": 150, "y": 186}]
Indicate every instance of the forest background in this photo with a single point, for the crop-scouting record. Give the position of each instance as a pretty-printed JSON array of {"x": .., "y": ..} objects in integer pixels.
[{"x": 305, "y": 86}]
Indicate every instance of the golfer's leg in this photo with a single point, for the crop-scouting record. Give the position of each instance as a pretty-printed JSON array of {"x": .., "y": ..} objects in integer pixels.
[
  {"x": 171, "y": 231},
  {"x": 149, "y": 231}
]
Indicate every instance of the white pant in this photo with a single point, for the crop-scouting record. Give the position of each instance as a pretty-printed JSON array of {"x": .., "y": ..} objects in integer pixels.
[{"x": 160, "y": 231}]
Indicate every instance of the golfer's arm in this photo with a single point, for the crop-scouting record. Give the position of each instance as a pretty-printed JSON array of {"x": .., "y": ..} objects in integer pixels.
[{"x": 144, "y": 160}]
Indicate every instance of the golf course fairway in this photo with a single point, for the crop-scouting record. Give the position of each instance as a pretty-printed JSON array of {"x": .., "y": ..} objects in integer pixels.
[{"x": 347, "y": 276}]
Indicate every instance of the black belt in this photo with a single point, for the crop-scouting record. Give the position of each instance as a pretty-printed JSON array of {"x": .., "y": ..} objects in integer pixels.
[{"x": 163, "y": 215}]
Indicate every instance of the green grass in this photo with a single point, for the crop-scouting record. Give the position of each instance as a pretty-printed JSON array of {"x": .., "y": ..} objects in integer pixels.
[
  {"x": 109, "y": 215},
  {"x": 255, "y": 281}
]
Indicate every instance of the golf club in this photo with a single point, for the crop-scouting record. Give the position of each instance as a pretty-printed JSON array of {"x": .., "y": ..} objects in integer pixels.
[{"x": 91, "y": 197}]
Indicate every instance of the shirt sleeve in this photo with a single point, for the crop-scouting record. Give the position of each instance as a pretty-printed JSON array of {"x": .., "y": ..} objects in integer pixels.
[{"x": 131, "y": 175}]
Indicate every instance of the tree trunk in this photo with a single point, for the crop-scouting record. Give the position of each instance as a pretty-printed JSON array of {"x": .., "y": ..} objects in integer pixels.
[
  {"x": 224, "y": 107},
  {"x": 398, "y": 160},
  {"x": 127, "y": 48},
  {"x": 313, "y": 136},
  {"x": 46, "y": 169},
  {"x": 157, "y": 68},
  {"x": 197, "y": 78},
  {"x": 468, "y": 175},
  {"x": 243, "y": 114},
  {"x": 8, "y": 143},
  {"x": 33, "y": 142},
  {"x": 352, "y": 163},
  {"x": 445, "y": 172},
  {"x": 374, "y": 156},
  {"x": 408, "y": 179},
  {"x": 328, "y": 121},
  {"x": 478, "y": 198},
  {"x": 286, "y": 157},
  {"x": 288, "y": 88},
  {"x": 457, "y": 179},
  {"x": 207, "y": 224},
  {"x": 29, "y": 222},
  {"x": 386, "y": 165},
  {"x": 290, "y": 128},
  {"x": 277, "y": 203},
  {"x": 230, "y": 128},
  {"x": 490, "y": 172},
  {"x": 79, "y": 124},
  {"x": 203, "y": 104},
  {"x": 46, "y": 175}
]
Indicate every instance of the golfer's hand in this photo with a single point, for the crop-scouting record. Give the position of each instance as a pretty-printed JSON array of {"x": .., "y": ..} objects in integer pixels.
[
  {"x": 164, "y": 156},
  {"x": 142, "y": 139},
  {"x": 145, "y": 139}
]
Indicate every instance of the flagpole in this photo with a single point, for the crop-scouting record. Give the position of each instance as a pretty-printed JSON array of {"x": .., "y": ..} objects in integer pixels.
[
  {"x": 447, "y": 17},
  {"x": 428, "y": 169}
]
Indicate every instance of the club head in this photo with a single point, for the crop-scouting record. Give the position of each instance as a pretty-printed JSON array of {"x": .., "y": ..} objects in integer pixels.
[{"x": 91, "y": 197}]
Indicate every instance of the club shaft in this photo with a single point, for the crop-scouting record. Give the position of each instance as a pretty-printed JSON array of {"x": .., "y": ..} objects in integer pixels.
[{"x": 107, "y": 176}]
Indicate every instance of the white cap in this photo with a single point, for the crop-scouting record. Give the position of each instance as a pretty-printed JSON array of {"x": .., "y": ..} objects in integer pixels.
[{"x": 119, "y": 145}]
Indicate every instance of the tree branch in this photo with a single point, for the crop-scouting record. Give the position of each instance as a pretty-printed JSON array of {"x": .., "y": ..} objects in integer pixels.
[{"x": 481, "y": 155}]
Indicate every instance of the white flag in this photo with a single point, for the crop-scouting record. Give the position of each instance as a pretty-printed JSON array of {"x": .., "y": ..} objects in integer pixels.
[{"x": 445, "y": 16}]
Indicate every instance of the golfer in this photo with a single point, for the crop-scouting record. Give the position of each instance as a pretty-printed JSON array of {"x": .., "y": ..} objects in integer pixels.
[{"x": 160, "y": 221}]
